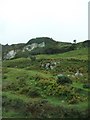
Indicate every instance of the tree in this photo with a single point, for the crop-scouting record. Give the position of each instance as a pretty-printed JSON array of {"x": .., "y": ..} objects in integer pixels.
[{"x": 74, "y": 41}]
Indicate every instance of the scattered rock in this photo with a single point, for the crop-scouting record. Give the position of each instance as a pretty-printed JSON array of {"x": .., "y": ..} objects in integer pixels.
[
  {"x": 78, "y": 74},
  {"x": 50, "y": 65},
  {"x": 33, "y": 46}
]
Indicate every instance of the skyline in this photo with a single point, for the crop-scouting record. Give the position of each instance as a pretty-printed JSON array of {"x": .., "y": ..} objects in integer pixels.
[{"x": 22, "y": 20}]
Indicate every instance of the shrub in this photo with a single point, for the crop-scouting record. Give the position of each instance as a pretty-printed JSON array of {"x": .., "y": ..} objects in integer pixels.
[
  {"x": 22, "y": 81},
  {"x": 33, "y": 58},
  {"x": 73, "y": 101},
  {"x": 86, "y": 86},
  {"x": 11, "y": 86},
  {"x": 61, "y": 79},
  {"x": 42, "y": 83},
  {"x": 24, "y": 90},
  {"x": 4, "y": 76}
]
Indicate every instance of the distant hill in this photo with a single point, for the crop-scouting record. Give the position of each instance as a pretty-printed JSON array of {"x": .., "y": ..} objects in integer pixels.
[
  {"x": 40, "y": 45},
  {"x": 84, "y": 44},
  {"x": 39, "y": 40}
]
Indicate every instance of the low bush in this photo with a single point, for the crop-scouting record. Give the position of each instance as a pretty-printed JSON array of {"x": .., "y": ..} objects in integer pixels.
[
  {"x": 61, "y": 79},
  {"x": 33, "y": 58},
  {"x": 42, "y": 83},
  {"x": 24, "y": 90},
  {"x": 22, "y": 81},
  {"x": 86, "y": 86}
]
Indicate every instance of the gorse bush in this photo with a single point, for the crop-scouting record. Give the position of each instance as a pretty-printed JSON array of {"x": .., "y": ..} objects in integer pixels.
[
  {"x": 61, "y": 79},
  {"x": 22, "y": 82}
]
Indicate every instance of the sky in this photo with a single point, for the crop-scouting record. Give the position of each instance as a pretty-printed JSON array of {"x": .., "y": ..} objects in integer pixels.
[{"x": 62, "y": 20}]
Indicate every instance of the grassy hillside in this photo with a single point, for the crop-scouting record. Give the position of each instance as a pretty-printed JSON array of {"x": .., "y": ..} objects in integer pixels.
[
  {"x": 30, "y": 90},
  {"x": 80, "y": 54},
  {"x": 49, "y": 47}
]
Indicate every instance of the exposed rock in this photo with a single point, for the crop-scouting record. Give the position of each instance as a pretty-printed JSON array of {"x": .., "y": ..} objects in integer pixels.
[
  {"x": 63, "y": 101},
  {"x": 68, "y": 75},
  {"x": 33, "y": 46},
  {"x": 50, "y": 65},
  {"x": 10, "y": 54},
  {"x": 47, "y": 66},
  {"x": 73, "y": 76},
  {"x": 41, "y": 44},
  {"x": 78, "y": 74}
]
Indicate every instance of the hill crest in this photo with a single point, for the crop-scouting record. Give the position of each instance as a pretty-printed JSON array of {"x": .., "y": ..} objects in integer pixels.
[{"x": 40, "y": 45}]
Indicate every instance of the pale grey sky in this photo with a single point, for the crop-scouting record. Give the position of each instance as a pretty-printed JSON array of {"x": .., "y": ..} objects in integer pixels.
[{"x": 62, "y": 20}]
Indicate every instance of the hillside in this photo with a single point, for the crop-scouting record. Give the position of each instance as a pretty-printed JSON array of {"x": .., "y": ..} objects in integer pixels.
[
  {"x": 79, "y": 54},
  {"x": 39, "y": 40},
  {"x": 50, "y": 86},
  {"x": 84, "y": 44},
  {"x": 41, "y": 45}
]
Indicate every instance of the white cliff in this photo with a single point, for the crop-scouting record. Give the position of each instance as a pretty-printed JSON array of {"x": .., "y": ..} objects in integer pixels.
[
  {"x": 33, "y": 46},
  {"x": 10, "y": 54}
]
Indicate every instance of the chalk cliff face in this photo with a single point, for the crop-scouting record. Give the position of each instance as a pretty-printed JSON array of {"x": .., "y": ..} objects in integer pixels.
[
  {"x": 10, "y": 54},
  {"x": 40, "y": 45},
  {"x": 33, "y": 46}
]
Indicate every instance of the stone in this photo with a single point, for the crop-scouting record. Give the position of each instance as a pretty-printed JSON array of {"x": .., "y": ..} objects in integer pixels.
[
  {"x": 10, "y": 54},
  {"x": 78, "y": 74},
  {"x": 33, "y": 46}
]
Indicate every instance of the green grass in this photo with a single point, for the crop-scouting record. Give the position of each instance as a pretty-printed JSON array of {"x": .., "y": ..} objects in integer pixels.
[
  {"x": 23, "y": 75},
  {"x": 24, "y": 98},
  {"x": 15, "y": 72},
  {"x": 80, "y": 85},
  {"x": 81, "y": 54},
  {"x": 61, "y": 102},
  {"x": 12, "y": 113}
]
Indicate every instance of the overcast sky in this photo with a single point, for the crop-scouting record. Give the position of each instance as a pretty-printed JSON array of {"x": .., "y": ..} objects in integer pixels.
[{"x": 62, "y": 20}]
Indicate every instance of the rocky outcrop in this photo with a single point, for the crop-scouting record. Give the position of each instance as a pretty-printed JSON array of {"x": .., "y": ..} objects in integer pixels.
[
  {"x": 33, "y": 46},
  {"x": 10, "y": 54}
]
